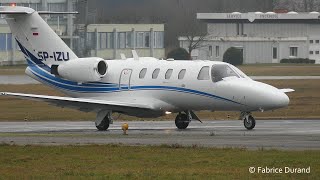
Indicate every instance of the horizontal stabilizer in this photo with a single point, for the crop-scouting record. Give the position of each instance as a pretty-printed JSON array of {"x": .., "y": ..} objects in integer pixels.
[
  {"x": 24, "y": 10},
  {"x": 15, "y": 10},
  {"x": 287, "y": 90},
  {"x": 48, "y": 12}
]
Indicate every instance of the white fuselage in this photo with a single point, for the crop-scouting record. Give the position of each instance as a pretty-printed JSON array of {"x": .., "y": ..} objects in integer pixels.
[{"x": 123, "y": 82}]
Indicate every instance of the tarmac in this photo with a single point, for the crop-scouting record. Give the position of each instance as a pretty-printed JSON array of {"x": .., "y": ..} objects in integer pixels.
[{"x": 268, "y": 134}]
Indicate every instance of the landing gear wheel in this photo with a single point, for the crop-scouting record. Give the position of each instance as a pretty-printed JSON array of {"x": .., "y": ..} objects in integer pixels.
[
  {"x": 104, "y": 124},
  {"x": 249, "y": 122},
  {"x": 182, "y": 121}
]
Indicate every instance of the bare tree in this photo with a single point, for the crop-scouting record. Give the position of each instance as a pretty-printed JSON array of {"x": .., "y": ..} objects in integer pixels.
[
  {"x": 308, "y": 5},
  {"x": 173, "y": 13},
  {"x": 195, "y": 34},
  {"x": 297, "y": 5},
  {"x": 192, "y": 29}
]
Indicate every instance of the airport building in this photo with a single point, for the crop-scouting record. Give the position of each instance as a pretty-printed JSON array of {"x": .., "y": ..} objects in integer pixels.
[
  {"x": 103, "y": 40},
  {"x": 262, "y": 37},
  {"x": 109, "y": 40},
  {"x": 61, "y": 24}
]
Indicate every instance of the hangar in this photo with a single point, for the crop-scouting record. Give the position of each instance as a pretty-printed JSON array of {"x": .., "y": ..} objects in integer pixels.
[{"x": 262, "y": 37}]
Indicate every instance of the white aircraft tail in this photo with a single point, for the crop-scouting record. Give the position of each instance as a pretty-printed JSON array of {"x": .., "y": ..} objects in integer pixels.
[{"x": 39, "y": 43}]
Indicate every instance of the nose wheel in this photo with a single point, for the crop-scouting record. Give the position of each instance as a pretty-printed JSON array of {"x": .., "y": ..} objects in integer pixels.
[{"x": 248, "y": 121}]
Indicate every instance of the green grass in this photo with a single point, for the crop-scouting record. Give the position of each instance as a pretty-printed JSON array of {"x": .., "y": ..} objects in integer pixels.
[
  {"x": 148, "y": 162},
  {"x": 281, "y": 70},
  {"x": 13, "y": 67},
  {"x": 304, "y": 105},
  {"x": 278, "y": 64},
  {"x": 13, "y": 70},
  {"x": 249, "y": 69}
]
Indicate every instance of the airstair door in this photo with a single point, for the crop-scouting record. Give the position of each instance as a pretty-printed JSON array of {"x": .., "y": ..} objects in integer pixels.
[{"x": 125, "y": 77}]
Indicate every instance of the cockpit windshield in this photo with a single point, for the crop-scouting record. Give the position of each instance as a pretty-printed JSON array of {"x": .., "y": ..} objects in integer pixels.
[
  {"x": 220, "y": 71},
  {"x": 242, "y": 74}
]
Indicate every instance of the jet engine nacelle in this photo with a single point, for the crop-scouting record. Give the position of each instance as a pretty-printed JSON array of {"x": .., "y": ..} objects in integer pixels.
[{"x": 82, "y": 69}]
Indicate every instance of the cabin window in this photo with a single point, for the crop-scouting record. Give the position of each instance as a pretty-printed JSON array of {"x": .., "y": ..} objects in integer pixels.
[
  {"x": 143, "y": 73},
  {"x": 204, "y": 73},
  {"x": 155, "y": 73},
  {"x": 182, "y": 73},
  {"x": 169, "y": 73},
  {"x": 221, "y": 71}
]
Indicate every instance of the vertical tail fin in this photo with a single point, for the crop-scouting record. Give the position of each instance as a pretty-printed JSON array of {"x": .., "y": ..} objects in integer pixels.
[{"x": 39, "y": 43}]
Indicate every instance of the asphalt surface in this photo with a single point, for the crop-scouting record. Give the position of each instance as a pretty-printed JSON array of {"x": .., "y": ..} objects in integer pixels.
[
  {"x": 23, "y": 79},
  {"x": 268, "y": 134}
]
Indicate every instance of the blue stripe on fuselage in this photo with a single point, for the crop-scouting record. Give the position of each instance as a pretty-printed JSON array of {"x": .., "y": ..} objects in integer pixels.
[
  {"x": 38, "y": 68},
  {"x": 93, "y": 88}
]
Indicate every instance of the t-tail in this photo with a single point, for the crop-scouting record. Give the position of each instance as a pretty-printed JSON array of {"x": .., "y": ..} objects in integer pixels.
[{"x": 37, "y": 41}]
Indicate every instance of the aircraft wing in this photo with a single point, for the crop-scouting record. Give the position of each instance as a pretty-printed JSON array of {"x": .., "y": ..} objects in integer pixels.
[{"x": 82, "y": 104}]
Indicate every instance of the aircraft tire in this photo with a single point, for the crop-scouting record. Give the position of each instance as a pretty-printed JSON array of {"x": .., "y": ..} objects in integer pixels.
[
  {"x": 182, "y": 121},
  {"x": 104, "y": 125},
  {"x": 249, "y": 123}
]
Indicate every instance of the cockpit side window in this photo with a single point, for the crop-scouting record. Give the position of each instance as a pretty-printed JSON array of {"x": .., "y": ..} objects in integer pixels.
[
  {"x": 204, "y": 73},
  {"x": 220, "y": 71}
]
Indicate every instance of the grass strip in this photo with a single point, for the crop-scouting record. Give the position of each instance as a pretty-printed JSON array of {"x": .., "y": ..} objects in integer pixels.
[{"x": 149, "y": 162}]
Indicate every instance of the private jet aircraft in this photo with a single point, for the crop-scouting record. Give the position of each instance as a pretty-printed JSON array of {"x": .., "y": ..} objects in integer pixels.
[{"x": 138, "y": 86}]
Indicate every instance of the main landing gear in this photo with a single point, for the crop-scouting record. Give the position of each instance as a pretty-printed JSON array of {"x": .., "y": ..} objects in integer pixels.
[
  {"x": 103, "y": 120},
  {"x": 183, "y": 119},
  {"x": 248, "y": 120}
]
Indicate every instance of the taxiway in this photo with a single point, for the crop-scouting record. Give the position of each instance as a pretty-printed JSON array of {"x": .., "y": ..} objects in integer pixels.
[{"x": 269, "y": 134}]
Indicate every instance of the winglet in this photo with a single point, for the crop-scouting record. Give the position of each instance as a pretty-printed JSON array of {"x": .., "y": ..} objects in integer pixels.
[
  {"x": 287, "y": 90},
  {"x": 123, "y": 57},
  {"x": 135, "y": 55}
]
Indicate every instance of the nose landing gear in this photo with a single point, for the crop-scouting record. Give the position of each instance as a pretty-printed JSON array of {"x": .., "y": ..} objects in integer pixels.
[{"x": 248, "y": 120}]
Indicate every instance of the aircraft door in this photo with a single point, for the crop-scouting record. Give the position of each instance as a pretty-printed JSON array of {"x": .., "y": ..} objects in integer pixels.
[{"x": 124, "y": 83}]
